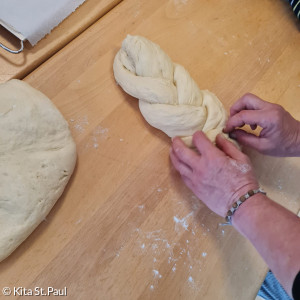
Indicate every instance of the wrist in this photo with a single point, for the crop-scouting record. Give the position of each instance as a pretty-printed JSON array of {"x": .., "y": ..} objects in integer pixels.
[
  {"x": 236, "y": 205},
  {"x": 249, "y": 211},
  {"x": 242, "y": 191}
]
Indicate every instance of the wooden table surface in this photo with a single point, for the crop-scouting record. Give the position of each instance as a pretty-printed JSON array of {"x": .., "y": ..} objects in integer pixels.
[
  {"x": 126, "y": 226},
  {"x": 20, "y": 65}
]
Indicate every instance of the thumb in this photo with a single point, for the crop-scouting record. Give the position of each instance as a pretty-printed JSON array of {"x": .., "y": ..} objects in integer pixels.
[
  {"x": 229, "y": 148},
  {"x": 202, "y": 143}
]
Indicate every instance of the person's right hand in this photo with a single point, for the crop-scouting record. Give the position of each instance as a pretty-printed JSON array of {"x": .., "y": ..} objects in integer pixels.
[{"x": 280, "y": 135}]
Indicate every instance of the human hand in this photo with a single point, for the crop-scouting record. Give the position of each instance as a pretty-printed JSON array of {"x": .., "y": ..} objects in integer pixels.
[
  {"x": 216, "y": 176},
  {"x": 280, "y": 135}
]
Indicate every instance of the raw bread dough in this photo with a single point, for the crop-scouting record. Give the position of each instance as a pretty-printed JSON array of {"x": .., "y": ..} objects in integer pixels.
[
  {"x": 169, "y": 98},
  {"x": 37, "y": 158}
]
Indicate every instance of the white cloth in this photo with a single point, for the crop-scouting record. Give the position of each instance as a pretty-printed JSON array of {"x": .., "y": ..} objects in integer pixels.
[{"x": 35, "y": 18}]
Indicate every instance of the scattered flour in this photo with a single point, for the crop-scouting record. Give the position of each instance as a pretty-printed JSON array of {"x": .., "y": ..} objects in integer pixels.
[
  {"x": 154, "y": 246},
  {"x": 159, "y": 247},
  {"x": 279, "y": 184},
  {"x": 99, "y": 134},
  {"x": 80, "y": 124},
  {"x": 119, "y": 251},
  {"x": 244, "y": 168},
  {"x": 156, "y": 274},
  {"x": 182, "y": 222},
  {"x": 141, "y": 207},
  {"x": 193, "y": 284},
  {"x": 101, "y": 131}
]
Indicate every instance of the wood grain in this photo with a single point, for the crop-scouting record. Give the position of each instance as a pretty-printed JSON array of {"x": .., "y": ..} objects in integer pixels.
[
  {"x": 127, "y": 227},
  {"x": 18, "y": 66}
]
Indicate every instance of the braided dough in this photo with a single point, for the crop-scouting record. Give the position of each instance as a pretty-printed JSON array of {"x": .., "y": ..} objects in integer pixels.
[
  {"x": 169, "y": 98},
  {"x": 37, "y": 158}
]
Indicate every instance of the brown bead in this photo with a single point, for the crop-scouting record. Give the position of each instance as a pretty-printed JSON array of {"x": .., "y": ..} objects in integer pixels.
[
  {"x": 229, "y": 213},
  {"x": 243, "y": 198},
  {"x": 251, "y": 193},
  {"x": 234, "y": 205}
]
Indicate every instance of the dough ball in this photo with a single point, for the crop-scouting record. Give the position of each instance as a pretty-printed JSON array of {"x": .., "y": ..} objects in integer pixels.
[{"x": 37, "y": 158}]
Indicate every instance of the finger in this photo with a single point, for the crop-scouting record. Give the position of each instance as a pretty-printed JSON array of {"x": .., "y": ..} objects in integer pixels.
[
  {"x": 249, "y": 139},
  {"x": 229, "y": 148},
  {"x": 249, "y": 117},
  {"x": 183, "y": 153},
  {"x": 248, "y": 101},
  {"x": 181, "y": 167},
  {"x": 203, "y": 144},
  {"x": 188, "y": 182}
]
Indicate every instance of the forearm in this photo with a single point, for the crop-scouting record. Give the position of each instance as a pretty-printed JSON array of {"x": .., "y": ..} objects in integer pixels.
[{"x": 275, "y": 233}]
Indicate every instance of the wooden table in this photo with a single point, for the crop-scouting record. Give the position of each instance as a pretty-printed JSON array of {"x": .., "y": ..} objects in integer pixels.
[
  {"x": 126, "y": 226},
  {"x": 20, "y": 65}
]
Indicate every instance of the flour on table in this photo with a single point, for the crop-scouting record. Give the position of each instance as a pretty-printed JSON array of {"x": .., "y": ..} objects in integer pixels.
[
  {"x": 99, "y": 134},
  {"x": 80, "y": 124},
  {"x": 183, "y": 222}
]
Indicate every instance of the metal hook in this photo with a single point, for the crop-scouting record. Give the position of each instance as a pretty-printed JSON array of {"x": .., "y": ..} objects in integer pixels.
[{"x": 13, "y": 51}]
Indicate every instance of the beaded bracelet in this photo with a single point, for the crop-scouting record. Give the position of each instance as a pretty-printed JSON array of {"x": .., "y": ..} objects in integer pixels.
[{"x": 238, "y": 203}]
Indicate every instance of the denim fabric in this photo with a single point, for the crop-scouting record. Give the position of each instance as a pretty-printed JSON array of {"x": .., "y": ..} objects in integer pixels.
[{"x": 271, "y": 289}]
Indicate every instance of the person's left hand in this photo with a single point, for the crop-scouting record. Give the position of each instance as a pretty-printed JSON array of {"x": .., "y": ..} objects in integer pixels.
[{"x": 217, "y": 176}]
